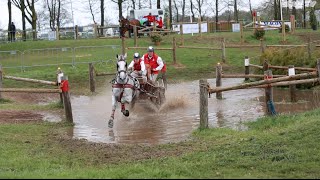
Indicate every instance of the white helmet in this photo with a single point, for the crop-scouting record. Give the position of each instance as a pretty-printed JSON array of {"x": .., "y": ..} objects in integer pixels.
[
  {"x": 150, "y": 49},
  {"x": 136, "y": 55}
]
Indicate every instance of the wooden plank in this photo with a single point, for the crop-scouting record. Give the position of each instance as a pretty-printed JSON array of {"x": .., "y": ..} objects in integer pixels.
[
  {"x": 268, "y": 81},
  {"x": 0, "y": 79},
  {"x": 147, "y": 48},
  {"x": 105, "y": 74},
  {"x": 288, "y": 83},
  {"x": 29, "y": 90},
  {"x": 284, "y": 67},
  {"x": 194, "y": 47},
  {"x": 247, "y": 76},
  {"x": 31, "y": 80}
]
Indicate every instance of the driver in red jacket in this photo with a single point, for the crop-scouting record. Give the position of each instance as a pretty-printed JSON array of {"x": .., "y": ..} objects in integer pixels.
[{"x": 153, "y": 63}]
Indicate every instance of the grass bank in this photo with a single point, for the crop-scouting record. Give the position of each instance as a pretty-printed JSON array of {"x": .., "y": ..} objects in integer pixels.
[{"x": 280, "y": 147}]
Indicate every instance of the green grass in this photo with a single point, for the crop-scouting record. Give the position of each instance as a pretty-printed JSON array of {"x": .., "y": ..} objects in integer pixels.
[{"x": 280, "y": 147}]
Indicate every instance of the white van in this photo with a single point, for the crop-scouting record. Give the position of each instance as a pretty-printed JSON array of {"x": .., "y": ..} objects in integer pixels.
[{"x": 139, "y": 13}]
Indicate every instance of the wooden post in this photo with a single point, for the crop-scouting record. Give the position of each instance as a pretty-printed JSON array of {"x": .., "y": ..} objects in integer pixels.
[
  {"x": 76, "y": 31},
  {"x": 241, "y": 32},
  {"x": 218, "y": 80},
  {"x": 291, "y": 72},
  {"x": 0, "y": 80},
  {"x": 318, "y": 69},
  {"x": 199, "y": 25},
  {"x": 123, "y": 46},
  {"x": 92, "y": 81},
  {"x": 208, "y": 28},
  {"x": 262, "y": 47},
  {"x": 95, "y": 30},
  {"x": 309, "y": 48},
  {"x": 283, "y": 31},
  {"x": 203, "y": 104},
  {"x": 135, "y": 35},
  {"x": 174, "y": 47},
  {"x": 57, "y": 33},
  {"x": 223, "y": 47},
  {"x": 66, "y": 99},
  {"x": 268, "y": 90},
  {"x": 181, "y": 34},
  {"x": 293, "y": 24},
  {"x": 246, "y": 67}
]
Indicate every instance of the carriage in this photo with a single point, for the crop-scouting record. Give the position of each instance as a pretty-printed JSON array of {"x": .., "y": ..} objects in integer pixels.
[
  {"x": 153, "y": 92},
  {"x": 128, "y": 90}
]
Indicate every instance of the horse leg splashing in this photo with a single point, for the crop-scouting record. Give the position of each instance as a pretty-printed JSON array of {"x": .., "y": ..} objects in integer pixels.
[{"x": 123, "y": 89}]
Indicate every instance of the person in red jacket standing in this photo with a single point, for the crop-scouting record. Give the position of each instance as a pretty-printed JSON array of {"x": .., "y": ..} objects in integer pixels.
[
  {"x": 160, "y": 22},
  {"x": 150, "y": 18},
  {"x": 153, "y": 63}
]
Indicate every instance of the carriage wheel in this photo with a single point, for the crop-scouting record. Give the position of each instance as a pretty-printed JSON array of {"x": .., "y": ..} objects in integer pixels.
[
  {"x": 164, "y": 78},
  {"x": 160, "y": 95}
]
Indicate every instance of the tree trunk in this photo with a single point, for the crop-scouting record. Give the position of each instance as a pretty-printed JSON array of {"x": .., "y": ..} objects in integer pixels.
[
  {"x": 158, "y": 4},
  {"x": 24, "y": 34},
  {"x": 236, "y": 11},
  {"x": 217, "y": 13},
  {"x": 102, "y": 15},
  {"x": 170, "y": 13},
  {"x": 10, "y": 19}
]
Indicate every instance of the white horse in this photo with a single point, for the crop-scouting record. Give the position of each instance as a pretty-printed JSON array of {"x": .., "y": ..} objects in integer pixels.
[{"x": 124, "y": 88}]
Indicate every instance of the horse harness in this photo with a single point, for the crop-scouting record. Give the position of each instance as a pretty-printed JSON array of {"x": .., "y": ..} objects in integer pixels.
[{"x": 122, "y": 86}]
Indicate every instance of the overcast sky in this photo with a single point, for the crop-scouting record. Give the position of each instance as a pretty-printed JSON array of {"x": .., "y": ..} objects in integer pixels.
[{"x": 80, "y": 17}]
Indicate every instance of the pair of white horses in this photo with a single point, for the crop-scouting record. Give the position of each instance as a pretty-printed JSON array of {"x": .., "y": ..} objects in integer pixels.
[{"x": 124, "y": 89}]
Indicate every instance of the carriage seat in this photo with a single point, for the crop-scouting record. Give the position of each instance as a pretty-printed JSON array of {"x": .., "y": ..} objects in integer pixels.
[{"x": 142, "y": 79}]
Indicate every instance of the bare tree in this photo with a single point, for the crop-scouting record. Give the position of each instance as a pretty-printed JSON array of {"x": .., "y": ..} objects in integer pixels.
[
  {"x": 236, "y": 18},
  {"x": 10, "y": 19},
  {"x": 177, "y": 10},
  {"x": 198, "y": 7},
  {"x": 32, "y": 18},
  {"x": 158, "y": 4},
  {"x": 92, "y": 9},
  {"x": 102, "y": 15},
  {"x": 217, "y": 13},
  {"x": 183, "y": 9},
  {"x": 21, "y": 5},
  {"x": 170, "y": 13},
  {"x": 191, "y": 10},
  {"x": 119, "y": 3},
  {"x": 133, "y": 4},
  {"x": 250, "y": 7}
]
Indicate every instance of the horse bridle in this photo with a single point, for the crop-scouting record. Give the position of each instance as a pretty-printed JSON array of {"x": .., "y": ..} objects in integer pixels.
[{"x": 122, "y": 59}]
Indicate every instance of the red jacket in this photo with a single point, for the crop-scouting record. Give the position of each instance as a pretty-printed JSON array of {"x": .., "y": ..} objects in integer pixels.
[
  {"x": 160, "y": 23},
  {"x": 151, "y": 61},
  {"x": 137, "y": 66},
  {"x": 150, "y": 18}
]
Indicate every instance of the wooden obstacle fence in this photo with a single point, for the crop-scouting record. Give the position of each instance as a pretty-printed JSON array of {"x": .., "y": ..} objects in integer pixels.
[
  {"x": 268, "y": 82},
  {"x": 63, "y": 90}
]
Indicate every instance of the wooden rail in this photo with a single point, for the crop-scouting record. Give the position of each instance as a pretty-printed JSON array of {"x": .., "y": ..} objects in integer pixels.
[
  {"x": 30, "y": 80},
  {"x": 28, "y": 90}
]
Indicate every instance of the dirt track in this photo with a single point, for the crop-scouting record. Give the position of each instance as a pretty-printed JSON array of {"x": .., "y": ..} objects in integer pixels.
[{"x": 24, "y": 116}]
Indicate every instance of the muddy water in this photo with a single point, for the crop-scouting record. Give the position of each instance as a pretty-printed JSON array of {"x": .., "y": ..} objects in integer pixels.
[{"x": 179, "y": 116}]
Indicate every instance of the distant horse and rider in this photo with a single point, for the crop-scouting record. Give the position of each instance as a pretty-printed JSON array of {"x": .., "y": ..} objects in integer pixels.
[{"x": 128, "y": 24}]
